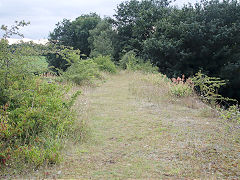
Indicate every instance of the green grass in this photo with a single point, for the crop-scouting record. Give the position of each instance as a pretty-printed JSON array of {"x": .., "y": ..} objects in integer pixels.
[{"x": 138, "y": 133}]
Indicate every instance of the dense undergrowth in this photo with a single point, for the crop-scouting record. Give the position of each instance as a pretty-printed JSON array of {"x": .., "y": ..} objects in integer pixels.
[
  {"x": 86, "y": 71},
  {"x": 200, "y": 87},
  {"x": 35, "y": 115}
]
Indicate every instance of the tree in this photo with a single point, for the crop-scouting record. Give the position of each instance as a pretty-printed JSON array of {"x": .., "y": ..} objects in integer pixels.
[
  {"x": 75, "y": 33},
  {"x": 135, "y": 21},
  {"x": 82, "y": 26},
  {"x": 101, "y": 39},
  {"x": 63, "y": 33},
  {"x": 200, "y": 37}
]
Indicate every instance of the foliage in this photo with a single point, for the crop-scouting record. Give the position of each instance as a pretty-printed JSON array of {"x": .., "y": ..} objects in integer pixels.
[
  {"x": 208, "y": 87},
  {"x": 231, "y": 114},
  {"x": 181, "y": 87},
  {"x": 63, "y": 33},
  {"x": 130, "y": 62},
  {"x": 81, "y": 72},
  {"x": 127, "y": 57},
  {"x": 105, "y": 64},
  {"x": 34, "y": 115},
  {"x": 13, "y": 68},
  {"x": 135, "y": 22},
  {"x": 180, "y": 90},
  {"x": 14, "y": 30},
  {"x": 101, "y": 39},
  {"x": 61, "y": 57},
  {"x": 203, "y": 36},
  {"x": 197, "y": 37},
  {"x": 76, "y": 33},
  {"x": 37, "y": 64},
  {"x": 34, "y": 120}
]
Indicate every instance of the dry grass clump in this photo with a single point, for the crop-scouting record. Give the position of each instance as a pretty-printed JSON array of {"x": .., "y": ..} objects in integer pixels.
[
  {"x": 158, "y": 88},
  {"x": 153, "y": 87}
]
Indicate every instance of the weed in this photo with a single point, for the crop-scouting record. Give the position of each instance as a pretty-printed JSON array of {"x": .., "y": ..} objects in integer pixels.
[
  {"x": 208, "y": 88},
  {"x": 34, "y": 122},
  {"x": 180, "y": 87},
  {"x": 231, "y": 114}
]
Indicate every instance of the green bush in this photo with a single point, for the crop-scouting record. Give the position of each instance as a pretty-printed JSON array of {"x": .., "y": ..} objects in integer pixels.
[
  {"x": 141, "y": 65},
  {"x": 81, "y": 72},
  {"x": 35, "y": 117},
  {"x": 61, "y": 57},
  {"x": 105, "y": 64},
  {"x": 130, "y": 62},
  {"x": 37, "y": 64},
  {"x": 34, "y": 122}
]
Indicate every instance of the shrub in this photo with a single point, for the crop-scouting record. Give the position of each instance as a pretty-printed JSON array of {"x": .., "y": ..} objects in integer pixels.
[
  {"x": 34, "y": 122},
  {"x": 128, "y": 57},
  {"x": 34, "y": 115},
  {"x": 105, "y": 64},
  {"x": 130, "y": 62},
  {"x": 208, "y": 88},
  {"x": 180, "y": 90},
  {"x": 82, "y": 71},
  {"x": 37, "y": 64},
  {"x": 60, "y": 57}
]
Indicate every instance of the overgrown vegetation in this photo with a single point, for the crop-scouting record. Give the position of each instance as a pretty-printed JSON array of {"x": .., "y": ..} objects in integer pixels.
[
  {"x": 35, "y": 115},
  {"x": 84, "y": 71},
  {"x": 202, "y": 36},
  {"x": 144, "y": 37},
  {"x": 105, "y": 64},
  {"x": 130, "y": 62}
]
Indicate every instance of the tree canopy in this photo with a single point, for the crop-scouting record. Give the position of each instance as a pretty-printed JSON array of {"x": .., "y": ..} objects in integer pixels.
[{"x": 204, "y": 36}]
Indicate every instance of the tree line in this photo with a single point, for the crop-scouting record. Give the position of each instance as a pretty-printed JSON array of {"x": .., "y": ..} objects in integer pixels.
[{"x": 203, "y": 36}]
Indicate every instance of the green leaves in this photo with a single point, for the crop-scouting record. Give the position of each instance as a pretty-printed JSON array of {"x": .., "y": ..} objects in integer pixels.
[
  {"x": 102, "y": 39},
  {"x": 136, "y": 20},
  {"x": 61, "y": 57},
  {"x": 208, "y": 88},
  {"x": 84, "y": 71},
  {"x": 75, "y": 33},
  {"x": 14, "y": 29}
]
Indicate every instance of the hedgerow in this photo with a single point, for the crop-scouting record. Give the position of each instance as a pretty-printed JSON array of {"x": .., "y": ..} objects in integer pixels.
[{"x": 35, "y": 115}]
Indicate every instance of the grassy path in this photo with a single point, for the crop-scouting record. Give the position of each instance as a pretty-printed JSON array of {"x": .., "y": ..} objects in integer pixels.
[{"x": 133, "y": 138}]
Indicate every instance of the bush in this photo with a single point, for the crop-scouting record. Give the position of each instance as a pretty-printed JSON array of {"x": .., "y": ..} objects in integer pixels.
[
  {"x": 82, "y": 72},
  {"x": 105, "y": 64},
  {"x": 180, "y": 90},
  {"x": 208, "y": 87},
  {"x": 60, "y": 57},
  {"x": 37, "y": 64},
  {"x": 130, "y": 62},
  {"x": 128, "y": 57},
  {"x": 34, "y": 122},
  {"x": 34, "y": 115}
]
